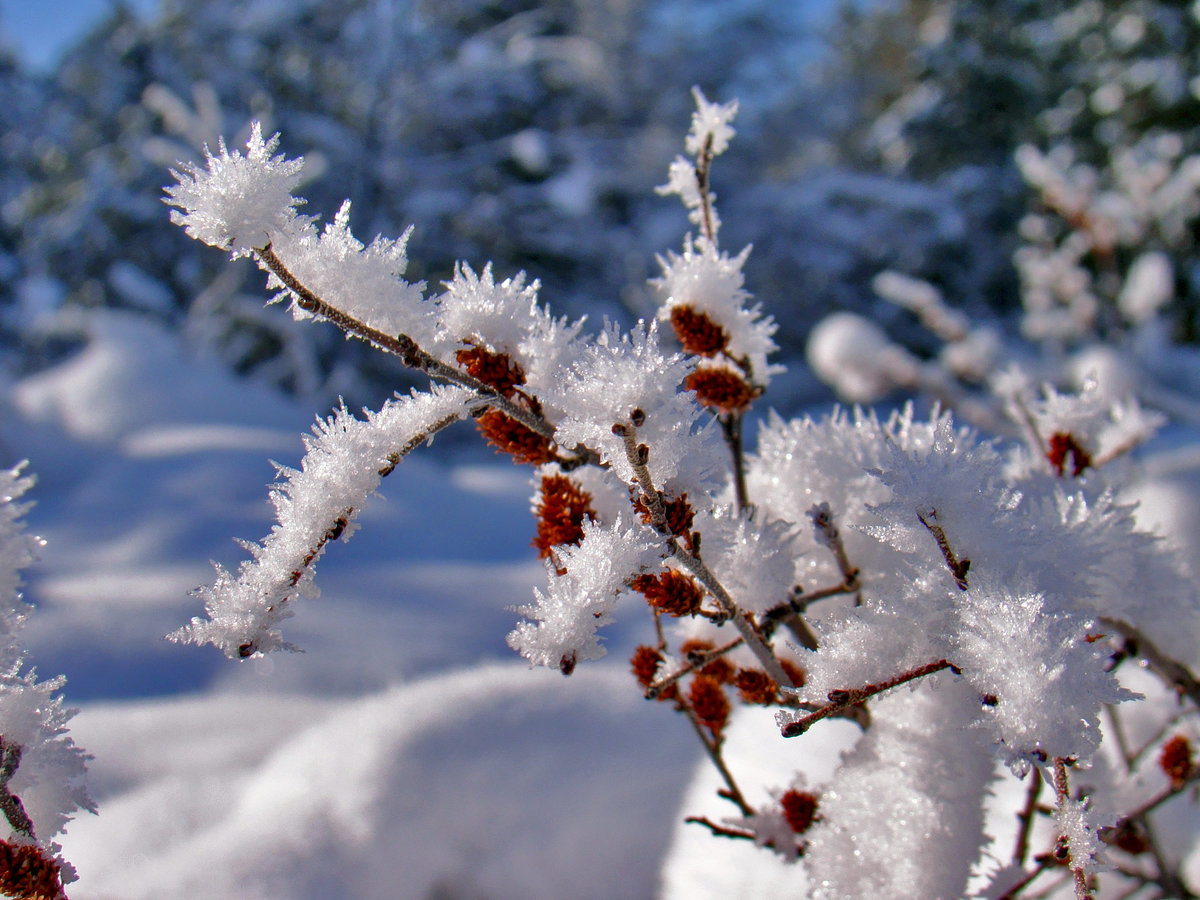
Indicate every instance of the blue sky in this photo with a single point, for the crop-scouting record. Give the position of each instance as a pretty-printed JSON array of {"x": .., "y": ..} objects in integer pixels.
[{"x": 40, "y": 30}]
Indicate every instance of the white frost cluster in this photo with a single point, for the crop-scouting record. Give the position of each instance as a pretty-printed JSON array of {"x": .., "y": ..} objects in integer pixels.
[
  {"x": 49, "y": 780},
  {"x": 619, "y": 373},
  {"x": 364, "y": 280},
  {"x": 345, "y": 460},
  {"x": 711, "y": 282},
  {"x": 238, "y": 203},
  {"x": 562, "y": 623},
  {"x": 858, "y": 359}
]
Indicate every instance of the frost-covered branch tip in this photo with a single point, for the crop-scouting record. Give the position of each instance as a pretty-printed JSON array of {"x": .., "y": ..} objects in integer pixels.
[
  {"x": 343, "y": 465},
  {"x": 237, "y": 203},
  {"x": 42, "y": 770}
]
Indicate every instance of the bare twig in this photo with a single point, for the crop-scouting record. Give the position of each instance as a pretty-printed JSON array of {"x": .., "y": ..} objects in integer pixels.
[
  {"x": 695, "y": 662},
  {"x": 1025, "y": 817},
  {"x": 732, "y": 793},
  {"x": 1168, "y": 669},
  {"x": 1043, "y": 863},
  {"x": 958, "y": 566},
  {"x": 843, "y": 698},
  {"x": 827, "y": 535},
  {"x": 731, "y": 427},
  {"x": 703, "y": 167}
]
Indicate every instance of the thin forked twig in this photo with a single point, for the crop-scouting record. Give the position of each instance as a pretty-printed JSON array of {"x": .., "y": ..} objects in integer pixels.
[
  {"x": 844, "y": 698},
  {"x": 638, "y": 456},
  {"x": 694, "y": 663}
]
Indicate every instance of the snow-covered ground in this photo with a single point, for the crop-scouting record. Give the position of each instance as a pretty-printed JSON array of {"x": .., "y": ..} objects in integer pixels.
[{"x": 407, "y": 752}]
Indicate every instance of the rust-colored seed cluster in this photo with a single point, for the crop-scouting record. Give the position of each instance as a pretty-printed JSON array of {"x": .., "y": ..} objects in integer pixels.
[
  {"x": 709, "y": 703},
  {"x": 1175, "y": 759},
  {"x": 496, "y": 370},
  {"x": 26, "y": 872},
  {"x": 562, "y": 507},
  {"x": 800, "y": 809},
  {"x": 509, "y": 436},
  {"x": 755, "y": 687},
  {"x": 1063, "y": 444},
  {"x": 645, "y": 662},
  {"x": 721, "y": 389},
  {"x": 794, "y": 672},
  {"x": 698, "y": 334},
  {"x": 671, "y": 592},
  {"x": 1129, "y": 836},
  {"x": 506, "y": 434}
]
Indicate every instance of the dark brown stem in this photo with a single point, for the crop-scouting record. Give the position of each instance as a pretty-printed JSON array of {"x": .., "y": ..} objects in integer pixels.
[
  {"x": 703, "y": 167},
  {"x": 845, "y": 698},
  {"x": 732, "y": 793},
  {"x": 1026, "y": 816},
  {"x": 731, "y": 427},
  {"x": 1043, "y": 863},
  {"x": 638, "y": 456},
  {"x": 1150, "y": 805},
  {"x": 1174, "y": 673},
  {"x": 958, "y": 567},
  {"x": 720, "y": 830},
  {"x": 10, "y": 803}
]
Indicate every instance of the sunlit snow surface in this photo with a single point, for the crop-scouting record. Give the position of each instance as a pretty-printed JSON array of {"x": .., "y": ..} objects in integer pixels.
[{"x": 407, "y": 752}]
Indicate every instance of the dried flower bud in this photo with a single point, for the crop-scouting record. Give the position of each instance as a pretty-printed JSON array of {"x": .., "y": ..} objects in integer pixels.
[
  {"x": 1127, "y": 835},
  {"x": 509, "y": 436},
  {"x": 698, "y": 334},
  {"x": 1063, "y": 444},
  {"x": 1175, "y": 759},
  {"x": 794, "y": 672},
  {"x": 496, "y": 370},
  {"x": 645, "y": 662},
  {"x": 671, "y": 592},
  {"x": 755, "y": 687},
  {"x": 800, "y": 809},
  {"x": 562, "y": 507},
  {"x": 27, "y": 872},
  {"x": 721, "y": 389},
  {"x": 709, "y": 703}
]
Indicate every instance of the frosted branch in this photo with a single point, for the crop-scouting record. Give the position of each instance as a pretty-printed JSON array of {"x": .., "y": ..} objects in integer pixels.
[
  {"x": 343, "y": 466},
  {"x": 638, "y": 455},
  {"x": 402, "y": 346}
]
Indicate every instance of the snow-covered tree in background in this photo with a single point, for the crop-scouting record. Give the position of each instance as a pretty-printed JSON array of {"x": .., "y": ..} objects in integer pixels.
[
  {"x": 982, "y": 608},
  {"x": 41, "y": 768}
]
